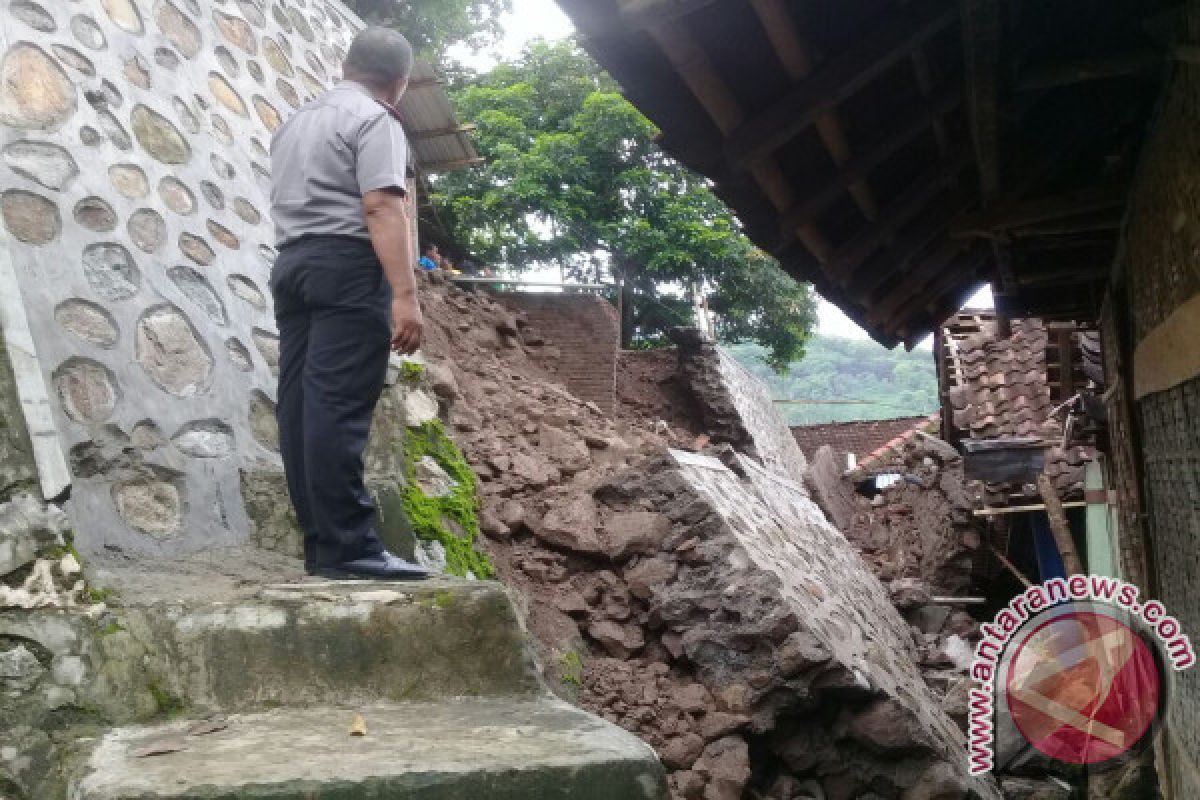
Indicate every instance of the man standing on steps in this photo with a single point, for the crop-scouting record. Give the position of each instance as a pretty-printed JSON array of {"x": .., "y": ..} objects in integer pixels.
[{"x": 344, "y": 296}]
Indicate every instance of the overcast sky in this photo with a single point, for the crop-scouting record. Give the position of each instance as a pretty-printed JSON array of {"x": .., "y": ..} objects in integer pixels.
[{"x": 531, "y": 19}]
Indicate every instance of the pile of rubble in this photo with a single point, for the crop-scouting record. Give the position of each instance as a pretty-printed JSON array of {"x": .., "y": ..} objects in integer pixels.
[{"x": 700, "y": 600}]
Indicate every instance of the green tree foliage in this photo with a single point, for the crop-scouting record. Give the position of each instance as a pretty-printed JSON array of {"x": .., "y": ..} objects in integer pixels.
[
  {"x": 893, "y": 383},
  {"x": 573, "y": 178},
  {"x": 434, "y": 25}
]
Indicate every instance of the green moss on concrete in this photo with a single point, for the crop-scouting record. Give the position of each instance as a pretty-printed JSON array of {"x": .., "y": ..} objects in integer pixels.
[
  {"x": 570, "y": 667},
  {"x": 411, "y": 372},
  {"x": 168, "y": 704},
  {"x": 450, "y": 520}
]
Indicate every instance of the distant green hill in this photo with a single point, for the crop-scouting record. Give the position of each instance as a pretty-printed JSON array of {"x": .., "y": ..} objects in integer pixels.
[{"x": 893, "y": 383}]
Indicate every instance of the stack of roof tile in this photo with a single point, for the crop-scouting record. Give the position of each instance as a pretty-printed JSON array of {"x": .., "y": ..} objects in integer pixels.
[{"x": 1000, "y": 390}]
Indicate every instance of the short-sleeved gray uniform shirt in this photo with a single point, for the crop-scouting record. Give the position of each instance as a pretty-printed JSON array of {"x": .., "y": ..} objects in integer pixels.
[{"x": 327, "y": 156}]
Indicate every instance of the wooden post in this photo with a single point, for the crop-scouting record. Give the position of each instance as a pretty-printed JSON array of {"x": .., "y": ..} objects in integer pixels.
[{"x": 1059, "y": 526}]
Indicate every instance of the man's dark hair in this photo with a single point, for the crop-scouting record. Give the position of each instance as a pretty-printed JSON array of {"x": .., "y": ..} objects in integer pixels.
[{"x": 379, "y": 56}]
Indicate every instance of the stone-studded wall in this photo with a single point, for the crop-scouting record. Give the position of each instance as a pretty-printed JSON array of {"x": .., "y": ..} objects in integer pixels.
[
  {"x": 737, "y": 407},
  {"x": 133, "y": 191},
  {"x": 1161, "y": 274},
  {"x": 585, "y": 331}
]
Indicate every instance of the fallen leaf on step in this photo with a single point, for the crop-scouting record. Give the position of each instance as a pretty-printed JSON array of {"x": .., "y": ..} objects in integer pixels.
[
  {"x": 161, "y": 747},
  {"x": 207, "y": 726},
  {"x": 359, "y": 726}
]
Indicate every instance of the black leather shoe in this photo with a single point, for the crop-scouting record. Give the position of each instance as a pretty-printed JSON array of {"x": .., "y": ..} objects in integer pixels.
[{"x": 382, "y": 567}]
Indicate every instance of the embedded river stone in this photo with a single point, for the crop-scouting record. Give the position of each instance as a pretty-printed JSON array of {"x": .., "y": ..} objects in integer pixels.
[
  {"x": 87, "y": 390},
  {"x": 177, "y": 196},
  {"x": 213, "y": 194},
  {"x": 267, "y": 344},
  {"x": 222, "y": 167},
  {"x": 35, "y": 92},
  {"x": 124, "y": 15},
  {"x": 130, "y": 180},
  {"x": 95, "y": 214},
  {"x": 34, "y": 16},
  {"x": 150, "y": 505},
  {"x": 197, "y": 289},
  {"x": 277, "y": 58},
  {"x": 267, "y": 113},
  {"x": 237, "y": 31},
  {"x": 221, "y": 129},
  {"x": 239, "y": 356},
  {"x": 223, "y": 234},
  {"x": 246, "y": 211},
  {"x": 147, "y": 229},
  {"x": 226, "y": 95},
  {"x": 110, "y": 271},
  {"x": 209, "y": 438},
  {"x": 115, "y": 131},
  {"x": 171, "y": 352},
  {"x": 47, "y": 164},
  {"x": 29, "y": 217},
  {"x": 89, "y": 321},
  {"x": 289, "y": 93},
  {"x": 252, "y": 12},
  {"x": 263, "y": 425},
  {"x": 74, "y": 59},
  {"x": 159, "y": 137},
  {"x": 88, "y": 32},
  {"x": 137, "y": 71},
  {"x": 245, "y": 289},
  {"x": 196, "y": 249},
  {"x": 178, "y": 28},
  {"x": 186, "y": 115}
]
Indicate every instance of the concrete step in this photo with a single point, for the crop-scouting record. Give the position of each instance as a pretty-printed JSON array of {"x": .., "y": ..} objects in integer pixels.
[
  {"x": 316, "y": 643},
  {"x": 495, "y": 748}
]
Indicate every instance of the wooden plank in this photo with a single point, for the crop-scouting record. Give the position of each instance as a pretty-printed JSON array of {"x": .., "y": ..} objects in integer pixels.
[
  {"x": 858, "y": 168},
  {"x": 447, "y": 166},
  {"x": 780, "y": 28},
  {"x": 1066, "y": 73},
  {"x": 1000, "y": 511},
  {"x": 948, "y": 255},
  {"x": 1059, "y": 526},
  {"x": 891, "y": 40},
  {"x": 1167, "y": 355}
]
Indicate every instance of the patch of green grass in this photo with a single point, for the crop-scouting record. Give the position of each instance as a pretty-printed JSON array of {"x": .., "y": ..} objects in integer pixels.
[
  {"x": 168, "y": 704},
  {"x": 429, "y": 515}
]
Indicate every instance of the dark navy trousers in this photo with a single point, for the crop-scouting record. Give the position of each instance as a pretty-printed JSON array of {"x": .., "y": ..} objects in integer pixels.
[{"x": 333, "y": 310}]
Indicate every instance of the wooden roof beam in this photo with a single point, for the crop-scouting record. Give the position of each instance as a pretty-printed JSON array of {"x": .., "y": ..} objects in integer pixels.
[
  {"x": 956, "y": 274},
  {"x": 981, "y": 45},
  {"x": 780, "y": 28},
  {"x": 916, "y": 282},
  {"x": 838, "y": 79},
  {"x": 857, "y": 169},
  {"x": 693, "y": 66},
  {"x": 1009, "y": 216},
  {"x": 924, "y": 74},
  {"x": 850, "y": 256}
]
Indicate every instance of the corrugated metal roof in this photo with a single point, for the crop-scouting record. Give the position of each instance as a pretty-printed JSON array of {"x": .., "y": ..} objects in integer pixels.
[{"x": 439, "y": 141}]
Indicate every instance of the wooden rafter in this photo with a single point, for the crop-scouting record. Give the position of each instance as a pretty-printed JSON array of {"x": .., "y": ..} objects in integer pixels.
[
  {"x": 925, "y": 82},
  {"x": 781, "y": 29},
  {"x": 851, "y": 255},
  {"x": 837, "y": 80},
  {"x": 916, "y": 283},
  {"x": 857, "y": 169},
  {"x": 1009, "y": 216},
  {"x": 440, "y": 132},
  {"x": 713, "y": 93}
]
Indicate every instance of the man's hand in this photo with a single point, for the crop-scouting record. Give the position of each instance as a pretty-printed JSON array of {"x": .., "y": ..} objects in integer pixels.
[{"x": 407, "y": 324}]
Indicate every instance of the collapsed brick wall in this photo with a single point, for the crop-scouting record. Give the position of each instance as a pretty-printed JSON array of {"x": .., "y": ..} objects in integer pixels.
[
  {"x": 1162, "y": 236},
  {"x": 585, "y": 336}
]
